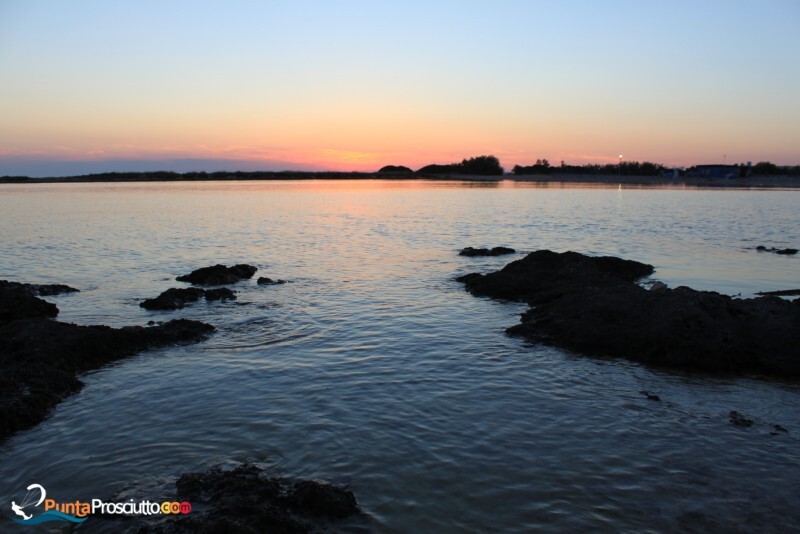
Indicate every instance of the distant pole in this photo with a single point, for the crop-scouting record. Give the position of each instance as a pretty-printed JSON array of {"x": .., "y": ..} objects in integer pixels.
[
  {"x": 620, "y": 164},
  {"x": 724, "y": 159}
]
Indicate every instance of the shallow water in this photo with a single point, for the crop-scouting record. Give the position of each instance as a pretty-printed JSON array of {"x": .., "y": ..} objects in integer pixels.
[{"x": 373, "y": 367}]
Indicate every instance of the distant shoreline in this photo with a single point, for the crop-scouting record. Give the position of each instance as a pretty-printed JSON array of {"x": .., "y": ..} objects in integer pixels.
[{"x": 791, "y": 182}]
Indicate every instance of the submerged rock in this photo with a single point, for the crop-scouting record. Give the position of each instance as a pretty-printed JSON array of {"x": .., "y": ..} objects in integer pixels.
[
  {"x": 245, "y": 499},
  {"x": 593, "y": 306},
  {"x": 781, "y": 251},
  {"x": 218, "y": 275},
  {"x": 177, "y": 298},
  {"x": 264, "y": 281},
  {"x": 496, "y": 251},
  {"x": 173, "y": 299},
  {"x": 650, "y": 396},
  {"x": 221, "y": 293},
  {"x": 739, "y": 420},
  {"x": 40, "y": 358}
]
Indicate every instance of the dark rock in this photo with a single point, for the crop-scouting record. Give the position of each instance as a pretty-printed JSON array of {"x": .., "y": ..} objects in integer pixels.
[
  {"x": 739, "y": 420},
  {"x": 543, "y": 275},
  {"x": 245, "y": 499},
  {"x": 650, "y": 396},
  {"x": 20, "y": 303},
  {"x": 783, "y": 293},
  {"x": 321, "y": 499},
  {"x": 496, "y": 251},
  {"x": 592, "y": 306},
  {"x": 40, "y": 358},
  {"x": 264, "y": 281},
  {"x": 781, "y": 251},
  {"x": 173, "y": 299},
  {"x": 40, "y": 290},
  {"x": 218, "y": 275},
  {"x": 19, "y": 300},
  {"x": 177, "y": 298},
  {"x": 658, "y": 287},
  {"x": 221, "y": 293},
  {"x": 469, "y": 277}
]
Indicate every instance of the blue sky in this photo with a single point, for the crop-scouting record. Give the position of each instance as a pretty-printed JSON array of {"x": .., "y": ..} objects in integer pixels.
[{"x": 360, "y": 84}]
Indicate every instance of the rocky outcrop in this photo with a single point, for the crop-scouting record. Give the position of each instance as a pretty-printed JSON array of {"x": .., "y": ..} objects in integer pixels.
[
  {"x": 781, "y": 293},
  {"x": 781, "y": 251},
  {"x": 593, "y": 306},
  {"x": 173, "y": 299},
  {"x": 221, "y": 293},
  {"x": 177, "y": 298},
  {"x": 496, "y": 251},
  {"x": 20, "y": 301},
  {"x": 41, "y": 290},
  {"x": 245, "y": 499},
  {"x": 41, "y": 358},
  {"x": 543, "y": 275},
  {"x": 218, "y": 275},
  {"x": 264, "y": 281},
  {"x": 738, "y": 419}
]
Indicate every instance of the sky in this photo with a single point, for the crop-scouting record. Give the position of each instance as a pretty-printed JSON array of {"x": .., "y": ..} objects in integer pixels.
[{"x": 92, "y": 86}]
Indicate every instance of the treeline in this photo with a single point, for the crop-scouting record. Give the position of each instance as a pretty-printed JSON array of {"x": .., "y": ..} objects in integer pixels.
[
  {"x": 766, "y": 168},
  {"x": 626, "y": 168},
  {"x": 479, "y": 166},
  {"x": 490, "y": 166},
  {"x": 193, "y": 176}
]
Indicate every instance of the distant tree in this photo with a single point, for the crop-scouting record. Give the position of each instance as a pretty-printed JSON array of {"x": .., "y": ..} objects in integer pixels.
[
  {"x": 629, "y": 168},
  {"x": 765, "y": 168},
  {"x": 481, "y": 165},
  {"x": 542, "y": 166}
]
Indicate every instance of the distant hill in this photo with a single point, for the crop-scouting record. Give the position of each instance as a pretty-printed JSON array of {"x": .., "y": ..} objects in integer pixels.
[{"x": 395, "y": 169}]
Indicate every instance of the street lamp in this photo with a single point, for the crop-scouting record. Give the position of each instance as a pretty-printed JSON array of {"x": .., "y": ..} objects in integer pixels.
[{"x": 620, "y": 164}]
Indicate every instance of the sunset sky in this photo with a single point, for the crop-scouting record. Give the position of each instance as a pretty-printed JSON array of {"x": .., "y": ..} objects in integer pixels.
[{"x": 91, "y": 86}]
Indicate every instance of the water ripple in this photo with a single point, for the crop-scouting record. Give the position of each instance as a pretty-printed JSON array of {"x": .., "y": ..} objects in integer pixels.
[{"x": 374, "y": 367}]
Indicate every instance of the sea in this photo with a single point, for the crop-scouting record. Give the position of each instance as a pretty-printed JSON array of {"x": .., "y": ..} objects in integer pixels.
[{"x": 373, "y": 368}]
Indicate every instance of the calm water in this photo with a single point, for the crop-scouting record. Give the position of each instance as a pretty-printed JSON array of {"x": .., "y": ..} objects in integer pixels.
[{"x": 374, "y": 368}]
